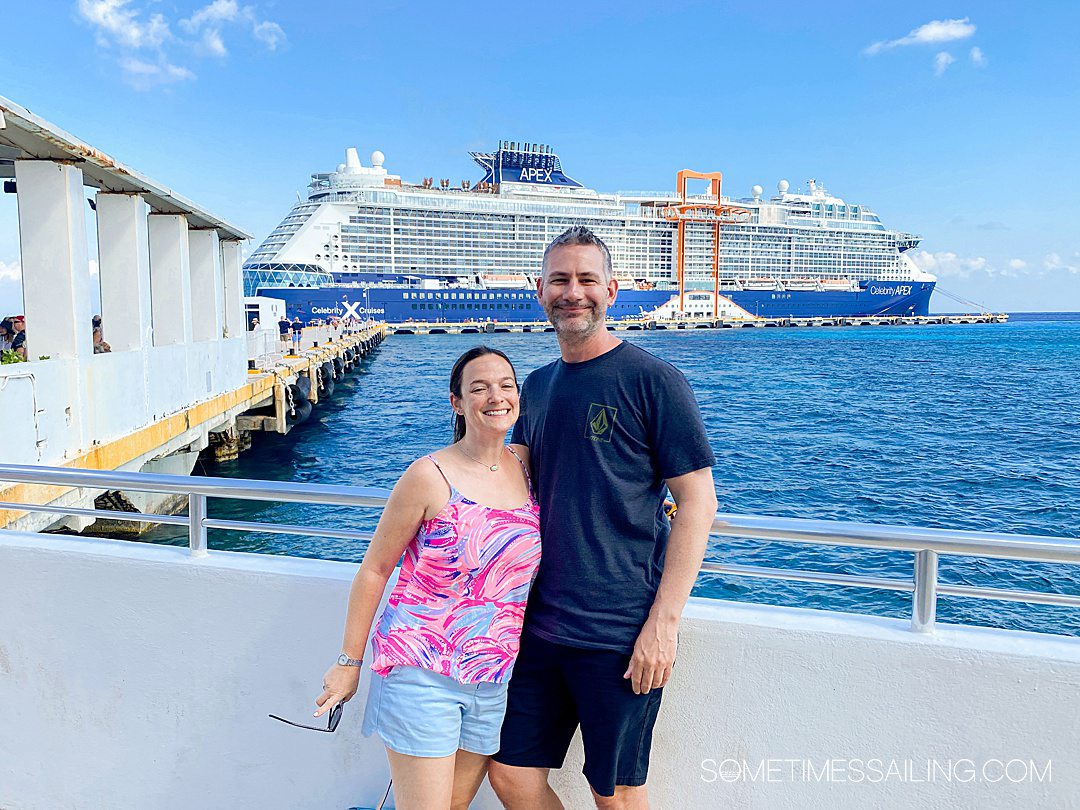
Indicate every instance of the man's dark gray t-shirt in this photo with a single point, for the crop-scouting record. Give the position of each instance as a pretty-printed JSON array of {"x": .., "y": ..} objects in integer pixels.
[{"x": 603, "y": 436}]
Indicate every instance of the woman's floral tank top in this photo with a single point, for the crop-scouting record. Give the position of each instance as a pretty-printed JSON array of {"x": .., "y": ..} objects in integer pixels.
[{"x": 459, "y": 601}]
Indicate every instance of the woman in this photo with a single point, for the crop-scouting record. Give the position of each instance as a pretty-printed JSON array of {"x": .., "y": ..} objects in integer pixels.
[
  {"x": 100, "y": 346},
  {"x": 445, "y": 645}
]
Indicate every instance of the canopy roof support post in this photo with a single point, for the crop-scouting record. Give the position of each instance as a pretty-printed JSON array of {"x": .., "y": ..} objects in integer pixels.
[
  {"x": 124, "y": 256},
  {"x": 207, "y": 286},
  {"x": 170, "y": 279}
]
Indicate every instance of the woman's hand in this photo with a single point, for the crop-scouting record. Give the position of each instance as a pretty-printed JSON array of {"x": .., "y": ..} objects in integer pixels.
[{"x": 339, "y": 685}]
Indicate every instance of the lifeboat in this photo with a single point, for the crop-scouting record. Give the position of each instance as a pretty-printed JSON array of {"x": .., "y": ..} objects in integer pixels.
[{"x": 760, "y": 284}]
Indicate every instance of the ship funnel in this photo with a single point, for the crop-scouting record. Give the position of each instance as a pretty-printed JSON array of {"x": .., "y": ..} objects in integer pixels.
[{"x": 352, "y": 161}]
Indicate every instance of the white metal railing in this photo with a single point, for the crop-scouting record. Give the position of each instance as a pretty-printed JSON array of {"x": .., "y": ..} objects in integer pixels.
[{"x": 925, "y": 544}]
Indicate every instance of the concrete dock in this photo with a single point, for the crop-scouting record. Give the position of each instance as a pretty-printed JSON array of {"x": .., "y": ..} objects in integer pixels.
[
  {"x": 476, "y": 328},
  {"x": 183, "y": 374}
]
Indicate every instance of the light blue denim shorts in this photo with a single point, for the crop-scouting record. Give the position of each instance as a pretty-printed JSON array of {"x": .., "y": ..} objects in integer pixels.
[{"x": 423, "y": 714}]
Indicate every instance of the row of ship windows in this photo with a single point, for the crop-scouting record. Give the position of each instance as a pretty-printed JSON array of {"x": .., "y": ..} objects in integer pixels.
[
  {"x": 466, "y": 250},
  {"x": 508, "y": 219},
  {"x": 533, "y": 263},
  {"x": 467, "y": 296},
  {"x": 727, "y": 248},
  {"x": 472, "y": 306},
  {"x": 536, "y": 234},
  {"x": 652, "y": 272},
  {"x": 550, "y": 224},
  {"x": 438, "y": 208},
  {"x": 378, "y": 235},
  {"x": 785, "y": 232},
  {"x": 358, "y": 236}
]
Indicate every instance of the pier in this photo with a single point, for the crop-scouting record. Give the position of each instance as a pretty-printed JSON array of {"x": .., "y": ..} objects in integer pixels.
[
  {"x": 285, "y": 378},
  {"x": 489, "y": 327},
  {"x": 183, "y": 374}
]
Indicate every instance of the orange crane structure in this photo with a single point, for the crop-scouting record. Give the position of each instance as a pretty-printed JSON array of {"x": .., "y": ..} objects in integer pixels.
[{"x": 713, "y": 212}]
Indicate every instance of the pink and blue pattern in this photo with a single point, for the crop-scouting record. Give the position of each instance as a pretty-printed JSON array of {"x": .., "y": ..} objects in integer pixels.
[{"x": 459, "y": 602}]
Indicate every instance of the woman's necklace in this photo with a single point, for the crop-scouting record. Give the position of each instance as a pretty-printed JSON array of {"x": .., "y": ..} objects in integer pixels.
[{"x": 493, "y": 467}]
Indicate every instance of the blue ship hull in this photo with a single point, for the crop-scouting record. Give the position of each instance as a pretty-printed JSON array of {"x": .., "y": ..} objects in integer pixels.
[
  {"x": 876, "y": 298},
  {"x": 398, "y": 304}
]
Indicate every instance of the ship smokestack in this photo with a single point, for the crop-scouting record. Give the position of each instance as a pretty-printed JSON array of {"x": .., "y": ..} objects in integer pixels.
[{"x": 352, "y": 161}]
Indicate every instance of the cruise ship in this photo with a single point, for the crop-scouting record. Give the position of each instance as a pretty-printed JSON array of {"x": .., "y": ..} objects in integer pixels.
[{"x": 367, "y": 244}]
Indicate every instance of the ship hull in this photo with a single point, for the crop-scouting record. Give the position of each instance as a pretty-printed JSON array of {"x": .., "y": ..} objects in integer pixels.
[
  {"x": 876, "y": 298},
  {"x": 396, "y": 304}
]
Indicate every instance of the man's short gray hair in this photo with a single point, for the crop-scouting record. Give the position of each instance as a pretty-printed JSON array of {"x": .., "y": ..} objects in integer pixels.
[{"x": 580, "y": 235}]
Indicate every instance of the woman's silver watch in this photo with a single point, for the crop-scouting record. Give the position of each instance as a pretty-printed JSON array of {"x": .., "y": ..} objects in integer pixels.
[{"x": 345, "y": 661}]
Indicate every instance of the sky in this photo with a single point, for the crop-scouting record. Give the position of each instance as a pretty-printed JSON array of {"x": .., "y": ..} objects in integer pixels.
[{"x": 954, "y": 121}]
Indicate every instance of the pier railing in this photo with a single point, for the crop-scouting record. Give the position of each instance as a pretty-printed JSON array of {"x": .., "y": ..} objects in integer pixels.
[{"x": 925, "y": 544}]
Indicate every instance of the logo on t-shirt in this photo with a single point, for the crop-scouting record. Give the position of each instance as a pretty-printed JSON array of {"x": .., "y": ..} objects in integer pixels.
[{"x": 601, "y": 422}]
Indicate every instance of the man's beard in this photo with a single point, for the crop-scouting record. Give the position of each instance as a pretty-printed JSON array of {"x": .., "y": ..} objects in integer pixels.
[{"x": 578, "y": 328}]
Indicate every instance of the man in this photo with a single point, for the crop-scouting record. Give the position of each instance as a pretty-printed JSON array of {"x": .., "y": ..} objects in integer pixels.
[
  {"x": 18, "y": 342},
  {"x": 297, "y": 332},
  {"x": 607, "y": 426},
  {"x": 284, "y": 328}
]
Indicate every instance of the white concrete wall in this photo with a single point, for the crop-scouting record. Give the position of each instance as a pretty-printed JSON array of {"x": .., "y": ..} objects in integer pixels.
[
  {"x": 195, "y": 372},
  {"x": 40, "y": 418},
  {"x": 121, "y": 393},
  {"x": 145, "y": 676}
]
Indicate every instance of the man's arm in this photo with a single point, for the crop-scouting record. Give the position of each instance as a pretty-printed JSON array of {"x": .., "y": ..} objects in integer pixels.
[{"x": 657, "y": 643}]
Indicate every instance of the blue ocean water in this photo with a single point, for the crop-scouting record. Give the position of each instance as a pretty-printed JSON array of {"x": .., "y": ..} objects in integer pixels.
[{"x": 972, "y": 427}]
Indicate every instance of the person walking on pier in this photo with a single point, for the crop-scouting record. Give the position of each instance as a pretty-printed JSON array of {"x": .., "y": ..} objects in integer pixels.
[
  {"x": 445, "y": 645},
  {"x": 607, "y": 425},
  {"x": 297, "y": 333}
]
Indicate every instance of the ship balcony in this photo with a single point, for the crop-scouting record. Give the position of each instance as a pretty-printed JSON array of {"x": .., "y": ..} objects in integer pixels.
[
  {"x": 144, "y": 674},
  {"x": 907, "y": 241}
]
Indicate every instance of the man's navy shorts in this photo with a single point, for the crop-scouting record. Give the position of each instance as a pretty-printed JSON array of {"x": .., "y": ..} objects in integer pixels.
[{"x": 554, "y": 689}]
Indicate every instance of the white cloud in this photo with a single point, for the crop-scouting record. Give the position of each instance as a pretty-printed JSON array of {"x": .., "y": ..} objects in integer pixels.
[
  {"x": 216, "y": 12},
  {"x": 270, "y": 34},
  {"x": 151, "y": 55},
  {"x": 11, "y": 301},
  {"x": 942, "y": 62},
  {"x": 211, "y": 18},
  {"x": 978, "y": 58},
  {"x": 146, "y": 75},
  {"x": 933, "y": 32},
  {"x": 946, "y": 264},
  {"x": 10, "y": 271},
  {"x": 212, "y": 42},
  {"x": 1053, "y": 261},
  {"x": 118, "y": 23}
]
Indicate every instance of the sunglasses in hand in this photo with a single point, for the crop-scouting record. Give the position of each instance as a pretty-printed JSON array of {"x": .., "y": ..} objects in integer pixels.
[{"x": 333, "y": 717}]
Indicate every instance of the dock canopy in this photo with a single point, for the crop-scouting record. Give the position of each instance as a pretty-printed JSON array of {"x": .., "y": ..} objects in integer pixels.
[{"x": 24, "y": 136}]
